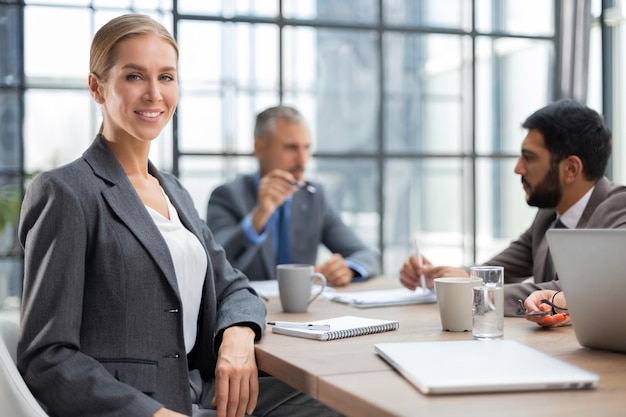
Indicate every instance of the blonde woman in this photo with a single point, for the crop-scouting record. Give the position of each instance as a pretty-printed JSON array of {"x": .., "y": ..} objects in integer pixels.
[{"x": 129, "y": 307}]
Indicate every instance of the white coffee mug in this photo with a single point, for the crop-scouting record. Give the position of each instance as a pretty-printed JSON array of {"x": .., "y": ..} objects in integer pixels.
[
  {"x": 454, "y": 298},
  {"x": 295, "y": 284}
]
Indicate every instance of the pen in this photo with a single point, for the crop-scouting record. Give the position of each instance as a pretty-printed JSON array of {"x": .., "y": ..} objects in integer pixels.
[
  {"x": 294, "y": 325},
  {"x": 304, "y": 185},
  {"x": 420, "y": 262}
]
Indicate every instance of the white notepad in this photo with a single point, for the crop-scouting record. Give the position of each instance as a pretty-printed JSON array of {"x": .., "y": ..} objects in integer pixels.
[
  {"x": 470, "y": 366},
  {"x": 383, "y": 298},
  {"x": 341, "y": 327}
]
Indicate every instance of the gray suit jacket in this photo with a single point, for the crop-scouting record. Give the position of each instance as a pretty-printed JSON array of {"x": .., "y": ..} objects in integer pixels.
[
  {"x": 313, "y": 221},
  {"x": 102, "y": 330},
  {"x": 527, "y": 256}
]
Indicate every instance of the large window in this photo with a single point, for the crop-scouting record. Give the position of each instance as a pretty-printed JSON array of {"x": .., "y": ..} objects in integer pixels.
[
  {"x": 414, "y": 106},
  {"x": 415, "y": 109}
]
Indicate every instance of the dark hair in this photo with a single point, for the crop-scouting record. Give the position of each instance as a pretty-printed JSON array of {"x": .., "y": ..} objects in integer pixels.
[
  {"x": 571, "y": 128},
  {"x": 266, "y": 120}
]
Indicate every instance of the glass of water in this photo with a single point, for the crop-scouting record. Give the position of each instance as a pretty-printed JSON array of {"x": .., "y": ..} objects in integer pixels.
[{"x": 487, "y": 302}]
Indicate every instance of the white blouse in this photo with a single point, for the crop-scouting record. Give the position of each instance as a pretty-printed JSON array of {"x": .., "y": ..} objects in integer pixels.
[{"x": 190, "y": 264}]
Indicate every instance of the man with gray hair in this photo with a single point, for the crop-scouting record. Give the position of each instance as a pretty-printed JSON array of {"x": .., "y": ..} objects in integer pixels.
[{"x": 276, "y": 217}]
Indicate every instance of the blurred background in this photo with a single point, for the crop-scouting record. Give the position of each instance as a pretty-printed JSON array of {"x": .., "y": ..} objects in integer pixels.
[{"x": 414, "y": 106}]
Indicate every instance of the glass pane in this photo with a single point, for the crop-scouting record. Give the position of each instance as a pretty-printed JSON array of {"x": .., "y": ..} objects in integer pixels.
[
  {"x": 102, "y": 16},
  {"x": 240, "y": 56},
  {"x": 10, "y": 134},
  {"x": 138, "y": 6},
  {"x": 501, "y": 210},
  {"x": 230, "y": 8},
  {"x": 351, "y": 187},
  {"x": 349, "y": 11},
  {"x": 60, "y": 2},
  {"x": 112, "y": 3},
  {"x": 341, "y": 68},
  {"x": 201, "y": 175},
  {"x": 594, "y": 76},
  {"x": 220, "y": 123},
  {"x": 429, "y": 198},
  {"x": 10, "y": 35},
  {"x": 427, "y": 93},
  {"x": 10, "y": 287},
  {"x": 437, "y": 13},
  {"x": 514, "y": 77},
  {"x": 618, "y": 163},
  {"x": 529, "y": 17},
  {"x": 54, "y": 50},
  {"x": 60, "y": 123}
]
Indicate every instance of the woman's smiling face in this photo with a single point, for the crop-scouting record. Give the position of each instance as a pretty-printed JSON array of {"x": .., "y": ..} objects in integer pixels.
[{"x": 140, "y": 93}]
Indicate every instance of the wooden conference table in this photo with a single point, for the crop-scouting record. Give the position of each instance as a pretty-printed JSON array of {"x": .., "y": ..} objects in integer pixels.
[{"x": 348, "y": 376}]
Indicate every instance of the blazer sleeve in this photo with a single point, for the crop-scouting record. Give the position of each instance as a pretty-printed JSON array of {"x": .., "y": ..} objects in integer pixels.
[
  {"x": 225, "y": 212},
  {"x": 53, "y": 232},
  {"x": 517, "y": 258},
  {"x": 515, "y": 292},
  {"x": 339, "y": 238}
]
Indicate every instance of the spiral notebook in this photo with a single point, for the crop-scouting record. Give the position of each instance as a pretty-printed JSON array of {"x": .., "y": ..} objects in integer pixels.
[{"x": 341, "y": 327}]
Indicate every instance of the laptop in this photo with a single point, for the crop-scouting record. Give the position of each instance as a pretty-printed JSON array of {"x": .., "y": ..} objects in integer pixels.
[
  {"x": 473, "y": 366},
  {"x": 591, "y": 265}
]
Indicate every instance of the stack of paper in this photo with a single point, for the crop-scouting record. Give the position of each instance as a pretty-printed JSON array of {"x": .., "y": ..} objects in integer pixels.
[{"x": 382, "y": 298}]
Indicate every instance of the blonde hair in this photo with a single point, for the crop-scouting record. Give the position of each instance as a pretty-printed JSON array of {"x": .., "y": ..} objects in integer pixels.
[{"x": 104, "y": 45}]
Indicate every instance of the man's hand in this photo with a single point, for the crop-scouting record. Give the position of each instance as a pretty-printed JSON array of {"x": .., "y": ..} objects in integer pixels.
[
  {"x": 411, "y": 271},
  {"x": 274, "y": 188},
  {"x": 336, "y": 271},
  {"x": 236, "y": 374},
  {"x": 533, "y": 304}
]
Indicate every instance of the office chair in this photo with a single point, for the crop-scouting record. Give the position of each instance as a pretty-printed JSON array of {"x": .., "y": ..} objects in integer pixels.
[{"x": 16, "y": 400}]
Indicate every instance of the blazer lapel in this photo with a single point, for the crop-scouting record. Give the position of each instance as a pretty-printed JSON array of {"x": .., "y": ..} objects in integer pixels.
[
  {"x": 125, "y": 203},
  {"x": 183, "y": 211},
  {"x": 548, "y": 216}
]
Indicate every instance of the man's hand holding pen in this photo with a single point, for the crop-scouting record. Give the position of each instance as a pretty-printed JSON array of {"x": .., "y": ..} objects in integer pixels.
[
  {"x": 412, "y": 270},
  {"x": 274, "y": 188}
]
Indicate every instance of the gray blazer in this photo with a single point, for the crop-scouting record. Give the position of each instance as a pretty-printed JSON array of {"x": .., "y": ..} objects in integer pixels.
[
  {"x": 102, "y": 330},
  {"x": 313, "y": 221},
  {"x": 527, "y": 256}
]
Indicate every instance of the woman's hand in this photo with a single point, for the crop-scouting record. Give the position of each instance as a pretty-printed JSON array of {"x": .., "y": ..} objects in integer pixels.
[{"x": 236, "y": 374}]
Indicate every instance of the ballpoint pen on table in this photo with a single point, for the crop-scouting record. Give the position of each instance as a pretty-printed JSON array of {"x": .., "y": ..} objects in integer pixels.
[
  {"x": 420, "y": 262},
  {"x": 295, "y": 325}
]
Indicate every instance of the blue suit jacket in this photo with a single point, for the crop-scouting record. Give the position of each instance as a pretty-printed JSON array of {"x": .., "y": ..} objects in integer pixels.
[
  {"x": 313, "y": 221},
  {"x": 102, "y": 330}
]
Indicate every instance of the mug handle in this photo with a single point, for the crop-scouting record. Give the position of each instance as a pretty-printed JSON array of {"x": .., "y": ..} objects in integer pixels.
[{"x": 322, "y": 279}]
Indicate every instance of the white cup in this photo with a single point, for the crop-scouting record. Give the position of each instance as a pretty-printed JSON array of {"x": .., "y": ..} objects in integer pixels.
[
  {"x": 454, "y": 298},
  {"x": 295, "y": 284}
]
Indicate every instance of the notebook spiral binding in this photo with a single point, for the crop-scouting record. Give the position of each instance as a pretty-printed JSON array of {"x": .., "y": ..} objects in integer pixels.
[{"x": 360, "y": 331}]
